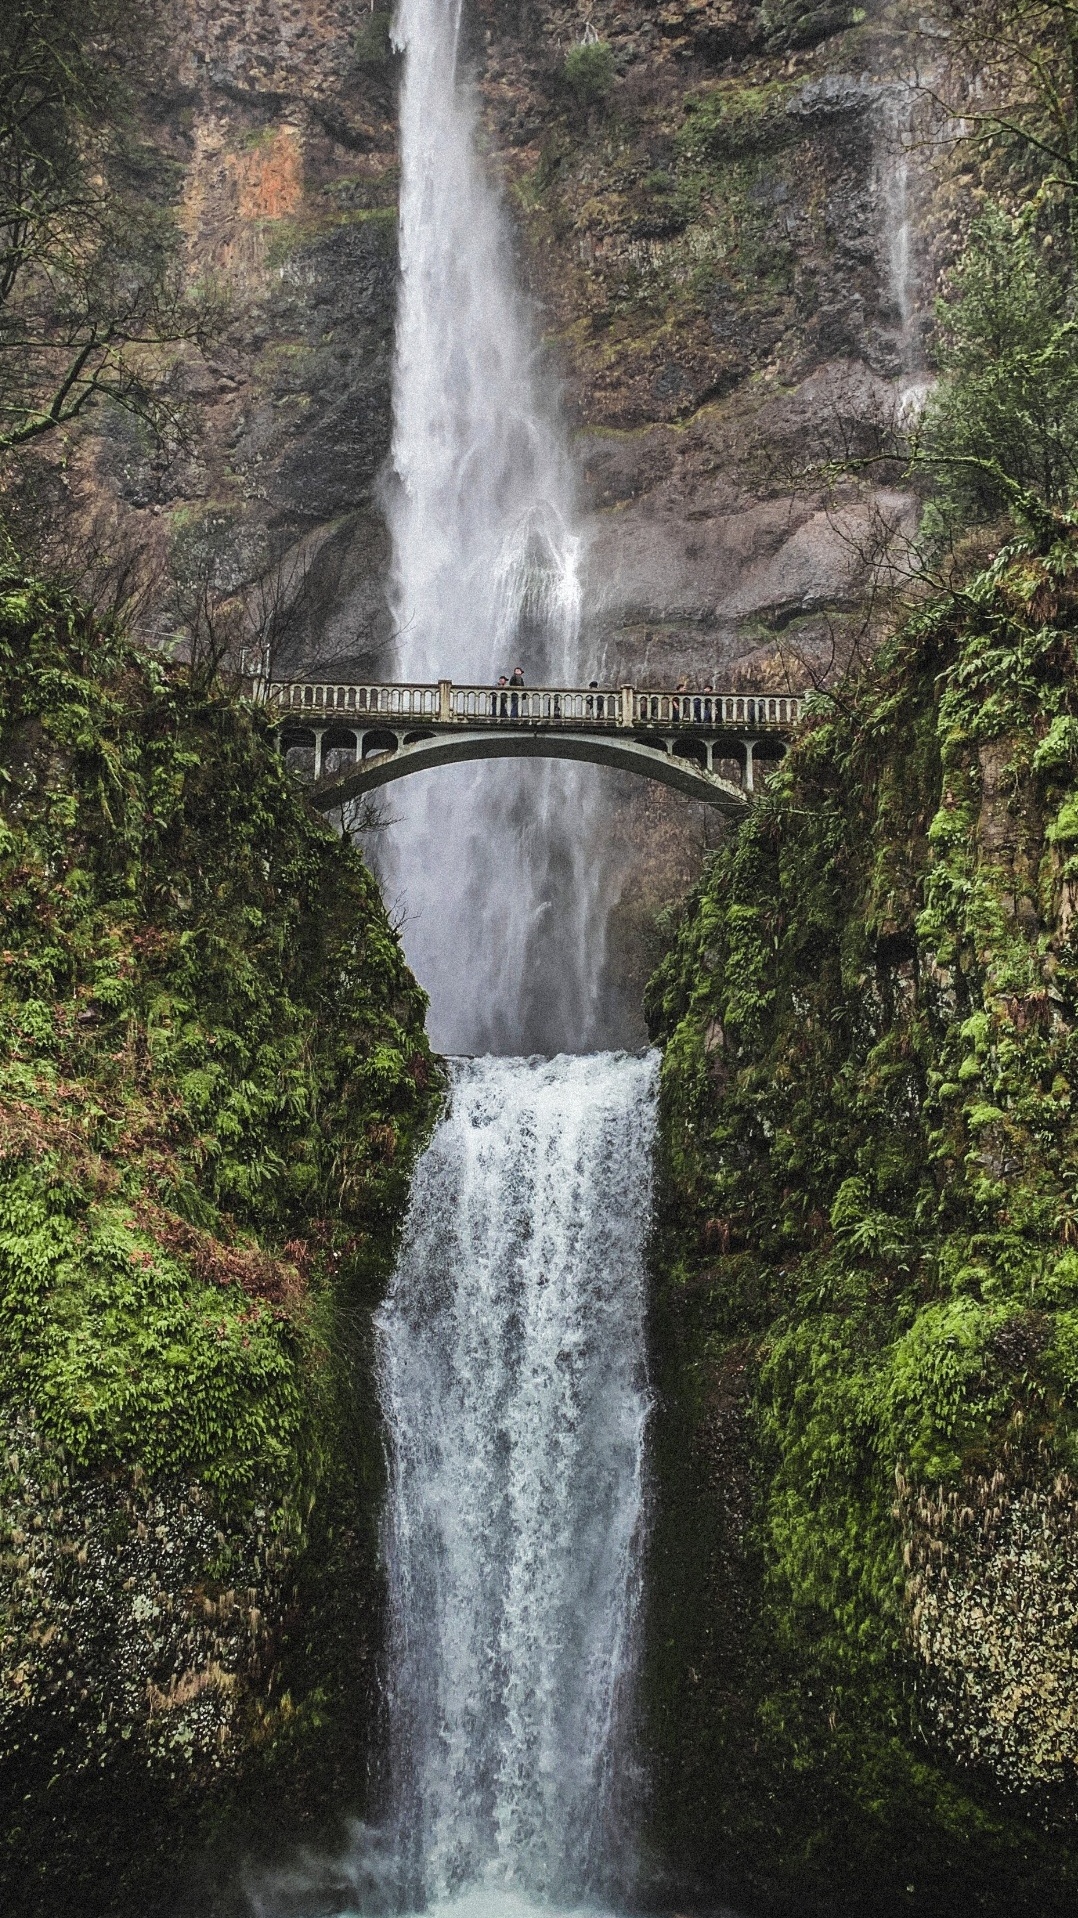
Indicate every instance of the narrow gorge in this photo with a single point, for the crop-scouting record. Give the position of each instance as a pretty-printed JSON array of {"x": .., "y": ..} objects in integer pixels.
[{"x": 538, "y": 1304}]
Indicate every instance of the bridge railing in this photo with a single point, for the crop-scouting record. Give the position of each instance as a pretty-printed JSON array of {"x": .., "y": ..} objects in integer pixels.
[
  {"x": 444, "y": 703},
  {"x": 724, "y": 710},
  {"x": 401, "y": 701},
  {"x": 537, "y": 705}
]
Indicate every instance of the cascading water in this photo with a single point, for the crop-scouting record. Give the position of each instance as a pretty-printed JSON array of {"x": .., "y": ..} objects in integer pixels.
[
  {"x": 511, "y": 1359},
  {"x": 512, "y": 1379},
  {"x": 494, "y": 864},
  {"x": 511, "y": 1346}
]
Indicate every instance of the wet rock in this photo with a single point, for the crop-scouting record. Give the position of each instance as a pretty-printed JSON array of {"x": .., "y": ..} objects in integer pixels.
[{"x": 992, "y": 1596}]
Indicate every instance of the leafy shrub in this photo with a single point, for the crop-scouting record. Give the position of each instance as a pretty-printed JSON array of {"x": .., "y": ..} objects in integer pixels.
[
  {"x": 588, "y": 71},
  {"x": 1006, "y": 407}
]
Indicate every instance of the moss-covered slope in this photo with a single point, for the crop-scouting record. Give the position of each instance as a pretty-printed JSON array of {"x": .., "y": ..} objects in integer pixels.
[
  {"x": 863, "y": 1652},
  {"x": 213, "y": 1075}
]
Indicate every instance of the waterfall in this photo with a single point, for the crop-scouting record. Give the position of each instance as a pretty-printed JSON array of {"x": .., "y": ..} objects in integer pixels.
[
  {"x": 896, "y": 139},
  {"x": 511, "y": 1360},
  {"x": 493, "y": 864},
  {"x": 511, "y": 1343}
]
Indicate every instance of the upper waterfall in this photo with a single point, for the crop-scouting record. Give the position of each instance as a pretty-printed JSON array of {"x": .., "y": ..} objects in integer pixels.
[
  {"x": 485, "y": 553},
  {"x": 495, "y": 866}
]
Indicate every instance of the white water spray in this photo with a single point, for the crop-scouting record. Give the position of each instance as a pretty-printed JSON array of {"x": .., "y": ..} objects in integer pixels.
[
  {"x": 493, "y": 863},
  {"x": 512, "y": 1369}
]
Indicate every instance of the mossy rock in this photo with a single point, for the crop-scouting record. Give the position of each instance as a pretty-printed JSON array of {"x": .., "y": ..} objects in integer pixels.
[
  {"x": 213, "y": 1080},
  {"x": 859, "y": 1692}
]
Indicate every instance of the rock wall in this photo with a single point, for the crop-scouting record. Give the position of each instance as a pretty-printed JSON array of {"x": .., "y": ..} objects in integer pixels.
[
  {"x": 273, "y": 135},
  {"x": 214, "y": 1077},
  {"x": 860, "y": 1686},
  {"x": 722, "y": 224}
]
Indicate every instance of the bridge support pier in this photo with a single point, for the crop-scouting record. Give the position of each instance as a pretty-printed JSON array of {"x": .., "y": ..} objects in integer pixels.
[{"x": 750, "y": 747}]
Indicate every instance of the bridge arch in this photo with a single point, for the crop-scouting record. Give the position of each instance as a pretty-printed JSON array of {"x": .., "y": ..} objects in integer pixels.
[{"x": 412, "y": 754}]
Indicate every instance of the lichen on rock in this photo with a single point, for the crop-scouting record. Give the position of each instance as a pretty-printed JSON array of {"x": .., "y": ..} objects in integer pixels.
[{"x": 992, "y": 1593}]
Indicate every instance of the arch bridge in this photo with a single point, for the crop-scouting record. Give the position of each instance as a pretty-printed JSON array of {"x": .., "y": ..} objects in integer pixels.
[{"x": 706, "y": 745}]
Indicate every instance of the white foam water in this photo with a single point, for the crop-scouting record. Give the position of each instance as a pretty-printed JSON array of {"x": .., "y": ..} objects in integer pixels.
[
  {"x": 511, "y": 1364},
  {"x": 493, "y": 863},
  {"x": 512, "y": 1379}
]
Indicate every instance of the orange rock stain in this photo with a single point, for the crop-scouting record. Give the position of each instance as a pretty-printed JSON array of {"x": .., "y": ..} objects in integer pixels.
[{"x": 269, "y": 177}]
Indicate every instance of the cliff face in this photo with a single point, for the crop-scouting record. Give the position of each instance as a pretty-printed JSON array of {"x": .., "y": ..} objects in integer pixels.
[
  {"x": 719, "y": 230},
  {"x": 717, "y": 216},
  {"x": 861, "y": 1683},
  {"x": 717, "y": 208},
  {"x": 270, "y": 130},
  {"x": 214, "y": 1076}
]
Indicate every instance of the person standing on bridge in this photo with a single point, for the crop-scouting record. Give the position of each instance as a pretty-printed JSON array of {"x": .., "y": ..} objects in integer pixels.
[
  {"x": 675, "y": 704},
  {"x": 497, "y": 699},
  {"x": 516, "y": 678}
]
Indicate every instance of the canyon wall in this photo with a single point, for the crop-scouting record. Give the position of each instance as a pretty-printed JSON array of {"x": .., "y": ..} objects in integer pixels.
[
  {"x": 214, "y": 1079},
  {"x": 720, "y": 213},
  {"x": 861, "y": 1683}
]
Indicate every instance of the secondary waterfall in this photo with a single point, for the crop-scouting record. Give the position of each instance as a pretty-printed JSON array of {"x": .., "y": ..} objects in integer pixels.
[
  {"x": 512, "y": 1369},
  {"x": 493, "y": 864}
]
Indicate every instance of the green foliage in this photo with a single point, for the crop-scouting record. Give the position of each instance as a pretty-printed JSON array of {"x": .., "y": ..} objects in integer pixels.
[
  {"x": 730, "y": 121},
  {"x": 212, "y": 1071},
  {"x": 372, "y": 45},
  {"x": 588, "y": 71},
  {"x": 1007, "y": 403},
  {"x": 869, "y": 1014},
  {"x": 129, "y": 1358}
]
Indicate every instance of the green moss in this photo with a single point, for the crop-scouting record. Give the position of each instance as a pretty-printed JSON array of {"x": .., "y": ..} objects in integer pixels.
[
  {"x": 213, "y": 1081},
  {"x": 291, "y": 235},
  {"x": 730, "y": 121},
  {"x": 804, "y": 23},
  {"x": 869, "y": 1016}
]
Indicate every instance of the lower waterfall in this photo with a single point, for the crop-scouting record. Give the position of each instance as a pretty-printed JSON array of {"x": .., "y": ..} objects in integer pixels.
[{"x": 512, "y": 1376}]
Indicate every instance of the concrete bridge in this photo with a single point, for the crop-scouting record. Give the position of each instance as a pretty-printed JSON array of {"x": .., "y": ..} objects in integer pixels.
[{"x": 706, "y": 745}]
